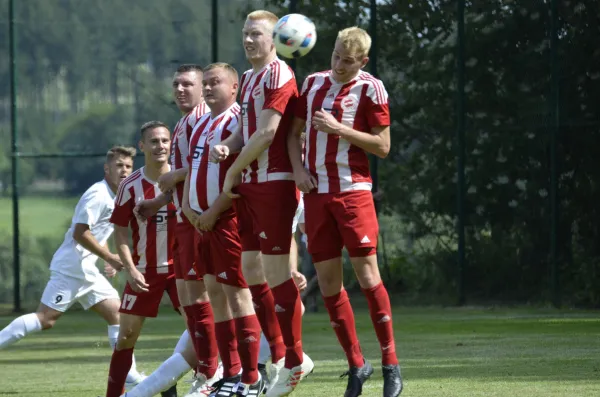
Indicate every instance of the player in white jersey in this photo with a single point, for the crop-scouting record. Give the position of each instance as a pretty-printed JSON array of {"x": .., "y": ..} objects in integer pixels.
[
  {"x": 74, "y": 276},
  {"x": 267, "y": 199},
  {"x": 345, "y": 114}
]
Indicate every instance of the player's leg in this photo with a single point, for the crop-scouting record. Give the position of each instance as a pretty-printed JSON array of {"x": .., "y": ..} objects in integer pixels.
[
  {"x": 325, "y": 245},
  {"x": 58, "y": 296},
  {"x": 120, "y": 363},
  {"x": 359, "y": 227},
  {"x": 262, "y": 297}
]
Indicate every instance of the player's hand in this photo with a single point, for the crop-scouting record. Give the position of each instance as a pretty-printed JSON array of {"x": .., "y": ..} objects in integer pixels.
[
  {"x": 190, "y": 214},
  {"x": 206, "y": 220},
  {"x": 113, "y": 262},
  {"x": 324, "y": 121},
  {"x": 137, "y": 281},
  {"x": 231, "y": 181},
  {"x": 167, "y": 182},
  {"x": 300, "y": 280},
  {"x": 304, "y": 180},
  {"x": 146, "y": 209},
  {"x": 109, "y": 271},
  {"x": 218, "y": 153}
]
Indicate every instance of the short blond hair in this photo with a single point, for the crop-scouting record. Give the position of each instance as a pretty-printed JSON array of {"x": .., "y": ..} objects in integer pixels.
[
  {"x": 125, "y": 151},
  {"x": 355, "y": 40},
  {"x": 225, "y": 66},
  {"x": 263, "y": 15}
]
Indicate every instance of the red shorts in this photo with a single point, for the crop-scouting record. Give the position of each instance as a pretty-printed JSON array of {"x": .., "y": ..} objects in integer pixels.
[
  {"x": 184, "y": 252},
  {"x": 145, "y": 304},
  {"x": 219, "y": 252},
  {"x": 265, "y": 215},
  {"x": 335, "y": 220}
]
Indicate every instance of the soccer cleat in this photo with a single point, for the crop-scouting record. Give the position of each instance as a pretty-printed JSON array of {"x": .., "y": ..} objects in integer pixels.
[
  {"x": 224, "y": 387},
  {"x": 392, "y": 380},
  {"x": 133, "y": 380},
  {"x": 288, "y": 379},
  {"x": 254, "y": 390},
  {"x": 262, "y": 368},
  {"x": 356, "y": 378},
  {"x": 201, "y": 386},
  {"x": 274, "y": 372},
  {"x": 171, "y": 392}
]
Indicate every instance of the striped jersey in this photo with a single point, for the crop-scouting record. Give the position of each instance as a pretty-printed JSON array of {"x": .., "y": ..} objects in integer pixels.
[
  {"x": 153, "y": 240},
  {"x": 273, "y": 87},
  {"x": 206, "y": 178},
  {"x": 361, "y": 104},
  {"x": 179, "y": 149}
]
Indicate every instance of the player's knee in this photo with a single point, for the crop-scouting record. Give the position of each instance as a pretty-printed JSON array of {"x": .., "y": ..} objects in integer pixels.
[
  {"x": 127, "y": 338},
  {"x": 47, "y": 320}
]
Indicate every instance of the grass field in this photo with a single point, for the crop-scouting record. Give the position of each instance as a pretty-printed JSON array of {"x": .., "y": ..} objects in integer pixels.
[
  {"x": 450, "y": 352},
  {"x": 40, "y": 217}
]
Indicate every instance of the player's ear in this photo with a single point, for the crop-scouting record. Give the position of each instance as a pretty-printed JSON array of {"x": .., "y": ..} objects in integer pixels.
[
  {"x": 105, "y": 168},
  {"x": 364, "y": 62},
  {"x": 141, "y": 144}
]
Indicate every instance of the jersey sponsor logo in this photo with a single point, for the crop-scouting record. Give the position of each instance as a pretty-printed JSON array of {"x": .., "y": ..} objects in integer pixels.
[{"x": 161, "y": 219}]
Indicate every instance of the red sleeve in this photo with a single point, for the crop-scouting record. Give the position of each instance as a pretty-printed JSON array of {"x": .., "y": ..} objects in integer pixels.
[
  {"x": 123, "y": 212},
  {"x": 278, "y": 98},
  {"x": 378, "y": 115}
]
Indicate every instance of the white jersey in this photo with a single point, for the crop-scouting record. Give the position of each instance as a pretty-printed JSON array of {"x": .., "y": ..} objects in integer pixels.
[{"x": 93, "y": 209}]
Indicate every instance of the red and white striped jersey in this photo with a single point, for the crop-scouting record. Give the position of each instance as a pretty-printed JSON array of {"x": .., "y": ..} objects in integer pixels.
[
  {"x": 273, "y": 87},
  {"x": 206, "y": 178},
  {"x": 179, "y": 149},
  {"x": 152, "y": 241},
  {"x": 361, "y": 104}
]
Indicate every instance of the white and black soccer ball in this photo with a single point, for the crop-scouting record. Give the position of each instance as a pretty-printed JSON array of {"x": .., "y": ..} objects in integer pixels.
[{"x": 294, "y": 36}]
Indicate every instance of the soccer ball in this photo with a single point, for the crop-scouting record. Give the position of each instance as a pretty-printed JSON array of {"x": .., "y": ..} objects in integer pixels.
[{"x": 294, "y": 36}]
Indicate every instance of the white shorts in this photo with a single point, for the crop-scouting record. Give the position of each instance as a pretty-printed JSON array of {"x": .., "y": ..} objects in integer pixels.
[
  {"x": 299, "y": 216},
  {"x": 63, "y": 291}
]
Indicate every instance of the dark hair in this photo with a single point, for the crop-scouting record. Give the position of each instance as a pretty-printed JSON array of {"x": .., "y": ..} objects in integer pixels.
[
  {"x": 150, "y": 125},
  {"x": 189, "y": 67}
]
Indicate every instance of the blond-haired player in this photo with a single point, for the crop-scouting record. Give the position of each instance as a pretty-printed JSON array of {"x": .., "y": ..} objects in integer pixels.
[
  {"x": 346, "y": 110},
  {"x": 267, "y": 198}
]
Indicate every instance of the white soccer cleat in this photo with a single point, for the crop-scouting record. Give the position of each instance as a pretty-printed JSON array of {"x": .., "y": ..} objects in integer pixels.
[
  {"x": 274, "y": 372},
  {"x": 288, "y": 379},
  {"x": 133, "y": 380},
  {"x": 201, "y": 386}
]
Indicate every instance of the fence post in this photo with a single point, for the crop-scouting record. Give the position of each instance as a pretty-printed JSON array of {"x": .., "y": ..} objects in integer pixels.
[
  {"x": 215, "y": 31},
  {"x": 374, "y": 161},
  {"x": 14, "y": 156},
  {"x": 460, "y": 146},
  {"x": 554, "y": 131}
]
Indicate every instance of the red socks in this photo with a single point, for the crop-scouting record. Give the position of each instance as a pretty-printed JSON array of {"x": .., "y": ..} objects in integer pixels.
[
  {"x": 342, "y": 321},
  {"x": 381, "y": 316},
  {"x": 264, "y": 305},
  {"x": 288, "y": 307},
  {"x": 120, "y": 364},
  {"x": 203, "y": 336},
  {"x": 248, "y": 334}
]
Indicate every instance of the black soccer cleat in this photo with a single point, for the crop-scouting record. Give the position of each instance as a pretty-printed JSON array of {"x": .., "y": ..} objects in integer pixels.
[
  {"x": 224, "y": 387},
  {"x": 255, "y": 390},
  {"x": 172, "y": 392},
  {"x": 356, "y": 378},
  {"x": 262, "y": 368},
  {"x": 392, "y": 380}
]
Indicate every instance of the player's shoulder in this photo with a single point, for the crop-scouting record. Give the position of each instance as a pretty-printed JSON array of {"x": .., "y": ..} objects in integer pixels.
[
  {"x": 202, "y": 121},
  {"x": 319, "y": 75},
  {"x": 315, "y": 80},
  {"x": 97, "y": 190},
  {"x": 375, "y": 88},
  {"x": 131, "y": 179},
  {"x": 278, "y": 74}
]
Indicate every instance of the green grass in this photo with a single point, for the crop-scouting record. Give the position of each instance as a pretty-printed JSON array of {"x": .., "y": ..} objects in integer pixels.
[
  {"x": 451, "y": 352},
  {"x": 39, "y": 216}
]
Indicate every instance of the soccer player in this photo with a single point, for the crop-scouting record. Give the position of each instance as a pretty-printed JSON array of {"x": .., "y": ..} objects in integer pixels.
[
  {"x": 267, "y": 199},
  {"x": 149, "y": 268},
  {"x": 219, "y": 249},
  {"x": 187, "y": 92},
  {"x": 345, "y": 114},
  {"x": 74, "y": 276}
]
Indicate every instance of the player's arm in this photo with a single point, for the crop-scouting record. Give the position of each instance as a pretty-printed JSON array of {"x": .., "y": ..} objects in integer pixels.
[
  {"x": 146, "y": 209},
  {"x": 169, "y": 180},
  {"x": 263, "y": 137},
  {"x": 206, "y": 221},
  {"x": 137, "y": 280},
  {"x": 377, "y": 142},
  {"x": 84, "y": 237},
  {"x": 230, "y": 145},
  {"x": 304, "y": 180},
  {"x": 188, "y": 212}
]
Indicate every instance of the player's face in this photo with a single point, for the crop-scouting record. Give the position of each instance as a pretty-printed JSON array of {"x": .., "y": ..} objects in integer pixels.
[
  {"x": 156, "y": 144},
  {"x": 257, "y": 39},
  {"x": 344, "y": 64},
  {"x": 119, "y": 168},
  {"x": 218, "y": 88},
  {"x": 187, "y": 90}
]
